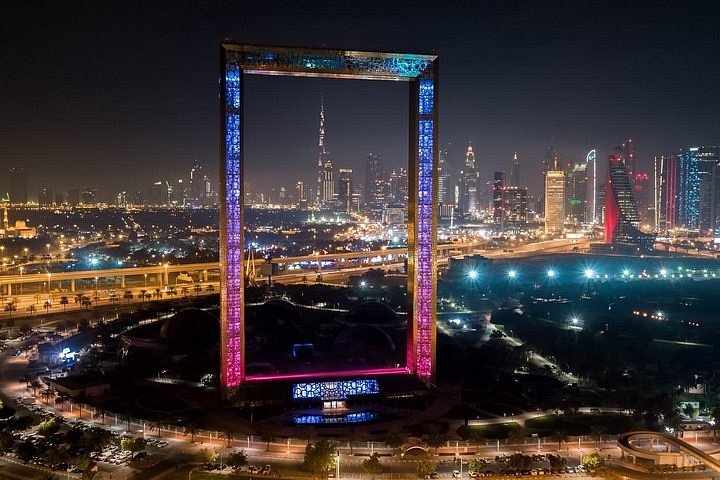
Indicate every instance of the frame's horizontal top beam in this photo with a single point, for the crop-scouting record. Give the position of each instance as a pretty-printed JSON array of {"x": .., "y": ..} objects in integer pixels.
[{"x": 313, "y": 62}]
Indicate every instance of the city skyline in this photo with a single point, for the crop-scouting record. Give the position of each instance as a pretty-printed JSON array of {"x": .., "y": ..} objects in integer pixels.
[{"x": 575, "y": 77}]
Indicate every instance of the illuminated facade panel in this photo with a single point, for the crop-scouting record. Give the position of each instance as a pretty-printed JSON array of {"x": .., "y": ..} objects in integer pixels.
[
  {"x": 421, "y": 72},
  {"x": 554, "y": 201},
  {"x": 339, "y": 390}
]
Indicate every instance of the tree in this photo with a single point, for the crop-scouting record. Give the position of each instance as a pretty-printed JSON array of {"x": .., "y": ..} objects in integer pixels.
[
  {"x": 25, "y": 451},
  {"x": 596, "y": 431},
  {"x": 128, "y": 295},
  {"x": 351, "y": 436},
  {"x": 48, "y": 427},
  {"x": 47, "y": 394},
  {"x": 394, "y": 441},
  {"x": 556, "y": 461},
  {"x": 561, "y": 437},
  {"x": 198, "y": 289},
  {"x": 238, "y": 459},
  {"x": 227, "y": 434},
  {"x": 192, "y": 430},
  {"x": 35, "y": 385},
  {"x": 31, "y": 309},
  {"x": 475, "y": 466},
  {"x": 210, "y": 288},
  {"x": 132, "y": 445},
  {"x": 155, "y": 426},
  {"x": 518, "y": 461},
  {"x": 516, "y": 435},
  {"x": 10, "y": 307},
  {"x": 689, "y": 410},
  {"x": 425, "y": 467},
  {"x": 435, "y": 440},
  {"x": 6, "y": 442},
  {"x": 320, "y": 457},
  {"x": 372, "y": 464},
  {"x": 477, "y": 438},
  {"x": 143, "y": 295},
  {"x": 268, "y": 437},
  {"x": 205, "y": 455},
  {"x": 592, "y": 462},
  {"x": 64, "y": 302},
  {"x": 715, "y": 414},
  {"x": 47, "y": 305}
]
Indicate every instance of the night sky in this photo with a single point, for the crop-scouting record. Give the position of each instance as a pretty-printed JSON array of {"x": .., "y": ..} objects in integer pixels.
[{"x": 116, "y": 95}]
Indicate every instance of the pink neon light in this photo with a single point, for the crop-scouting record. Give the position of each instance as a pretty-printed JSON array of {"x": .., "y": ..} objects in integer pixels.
[{"x": 344, "y": 373}]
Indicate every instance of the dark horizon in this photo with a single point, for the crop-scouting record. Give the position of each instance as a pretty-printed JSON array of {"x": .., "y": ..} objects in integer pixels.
[{"x": 117, "y": 96}]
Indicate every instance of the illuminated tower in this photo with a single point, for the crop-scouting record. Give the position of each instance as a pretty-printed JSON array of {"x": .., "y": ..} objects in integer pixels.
[
  {"x": 469, "y": 183},
  {"x": 622, "y": 221},
  {"x": 344, "y": 190},
  {"x": 665, "y": 189},
  {"x": 515, "y": 172},
  {"x": 323, "y": 160},
  {"x": 497, "y": 197},
  {"x": 554, "y": 201},
  {"x": 374, "y": 182},
  {"x": 591, "y": 172}
]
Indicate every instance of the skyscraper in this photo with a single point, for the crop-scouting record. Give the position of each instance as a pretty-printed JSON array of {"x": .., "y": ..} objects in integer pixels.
[
  {"x": 497, "y": 197},
  {"x": 344, "y": 191},
  {"x": 554, "y": 201},
  {"x": 445, "y": 196},
  {"x": 592, "y": 215},
  {"x": 694, "y": 191},
  {"x": 515, "y": 172},
  {"x": 515, "y": 206},
  {"x": 374, "y": 182},
  {"x": 327, "y": 194},
  {"x": 576, "y": 193},
  {"x": 469, "y": 179},
  {"x": 622, "y": 221},
  {"x": 196, "y": 188},
  {"x": 323, "y": 161}
]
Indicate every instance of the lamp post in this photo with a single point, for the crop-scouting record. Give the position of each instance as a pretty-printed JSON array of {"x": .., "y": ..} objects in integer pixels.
[
  {"x": 21, "y": 284},
  {"x": 337, "y": 465}
]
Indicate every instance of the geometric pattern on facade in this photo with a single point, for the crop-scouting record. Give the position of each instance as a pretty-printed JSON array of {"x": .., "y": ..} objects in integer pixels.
[
  {"x": 340, "y": 390},
  {"x": 421, "y": 73}
]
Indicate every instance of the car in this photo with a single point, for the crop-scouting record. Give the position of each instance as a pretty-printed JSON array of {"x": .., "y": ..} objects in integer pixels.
[
  {"x": 456, "y": 473},
  {"x": 253, "y": 469},
  {"x": 472, "y": 474},
  {"x": 266, "y": 470}
]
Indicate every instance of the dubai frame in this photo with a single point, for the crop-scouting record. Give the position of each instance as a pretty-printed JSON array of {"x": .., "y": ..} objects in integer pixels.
[{"x": 421, "y": 73}]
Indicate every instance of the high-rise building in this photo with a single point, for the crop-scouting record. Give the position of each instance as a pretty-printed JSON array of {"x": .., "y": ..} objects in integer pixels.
[
  {"x": 628, "y": 157},
  {"x": 665, "y": 192},
  {"x": 324, "y": 165},
  {"x": 497, "y": 197},
  {"x": 694, "y": 192},
  {"x": 515, "y": 172},
  {"x": 300, "y": 194},
  {"x": 515, "y": 206},
  {"x": 74, "y": 197},
  {"x": 641, "y": 189},
  {"x": 59, "y": 198},
  {"x": 469, "y": 183},
  {"x": 554, "y": 201},
  {"x": 374, "y": 182},
  {"x": 45, "y": 196},
  {"x": 398, "y": 187},
  {"x": 327, "y": 194},
  {"x": 17, "y": 187},
  {"x": 344, "y": 190},
  {"x": 89, "y": 196},
  {"x": 197, "y": 194},
  {"x": 445, "y": 194},
  {"x": 576, "y": 193},
  {"x": 622, "y": 221},
  {"x": 591, "y": 216}
]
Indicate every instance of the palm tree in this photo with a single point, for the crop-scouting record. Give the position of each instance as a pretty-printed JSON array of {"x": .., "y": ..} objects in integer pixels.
[
  {"x": 268, "y": 437},
  {"x": 192, "y": 430},
  {"x": 78, "y": 298},
  {"x": 47, "y": 306},
  {"x": 31, "y": 309},
  {"x": 561, "y": 437},
  {"x": 47, "y": 394},
  {"x": 158, "y": 293},
  {"x": 157, "y": 427},
  {"x": 126, "y": 419},
  {"x": 477, "y": 437},
  {"x": 35, "y": 384},
  {"x": 517, "y": 435},
  {"x": 210, "y": 288},
  {"x": 596, "y": 431},
  {"x": 143, "y": 294},
  {"x": 227, "y": 434},
  {"x": 198, "y": 289},
  {"x": 128, "y": 295},
  {"x": 64, "y": 301},
  {"x": 185, "y": 291}
]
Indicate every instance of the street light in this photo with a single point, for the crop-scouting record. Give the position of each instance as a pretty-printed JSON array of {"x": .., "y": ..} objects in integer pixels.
[
  {"x": 551, "y": 273},
  {"x": 472, "y": 274},
  {"x": 589, "y": 273},
  {"x": 337, "y": 466},
  {"x": 512, "y": 274}
]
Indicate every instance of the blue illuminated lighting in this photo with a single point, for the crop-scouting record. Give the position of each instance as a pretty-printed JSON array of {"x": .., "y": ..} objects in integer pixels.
[
  {"x": 512, "y": 274},
  {"x": 551, "y": 273},
  {"x": 355, "y": 417},
  {"x": 473, "y": 274},
  {"x": 335, "y": 390},
  {"x": 589, "y": 273}
]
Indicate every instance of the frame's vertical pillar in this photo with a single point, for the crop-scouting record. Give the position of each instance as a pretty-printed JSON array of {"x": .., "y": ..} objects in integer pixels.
[
  {"x": 232, "y": 360},
  {"x": 423, "y": 273}
]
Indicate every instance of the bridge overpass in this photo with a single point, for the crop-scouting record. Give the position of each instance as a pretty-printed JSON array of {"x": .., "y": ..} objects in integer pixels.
[
  {"x": 162, "y": 275},
  {"x": 652, "y": 449}
]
